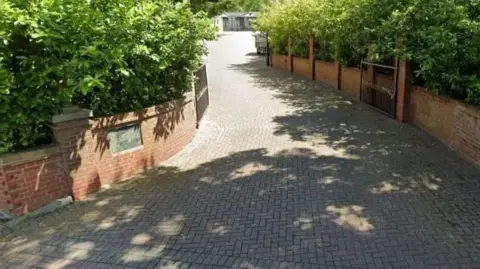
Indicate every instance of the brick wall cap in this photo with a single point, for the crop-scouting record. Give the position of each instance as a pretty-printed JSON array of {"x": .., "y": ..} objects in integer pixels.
[
  {"x": 471, "y": 109},
  {"x": 70, "y": 114},
  {"x": 29, "y": 155},
  {"x": 326, "y": 62},
  {"x": 140, "y": 115},
  {"x": 300, "y": 58}
]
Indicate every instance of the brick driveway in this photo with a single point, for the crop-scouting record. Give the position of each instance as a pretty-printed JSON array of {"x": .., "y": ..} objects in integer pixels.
[{"x": 283, "y": 173}]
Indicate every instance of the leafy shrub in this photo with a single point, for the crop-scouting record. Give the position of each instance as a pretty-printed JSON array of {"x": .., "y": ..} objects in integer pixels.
[
  {"x": 279, "y": 46},
  {"x": 107, "y": 55},
  {"x": 441, "y": 37},
  {"x": 324, "y": 50},
  {"x": 300, "y": 48}
]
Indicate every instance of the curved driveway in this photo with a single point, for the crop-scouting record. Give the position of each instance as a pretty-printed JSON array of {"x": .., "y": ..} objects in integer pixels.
[{"x": 283, "y": 173}]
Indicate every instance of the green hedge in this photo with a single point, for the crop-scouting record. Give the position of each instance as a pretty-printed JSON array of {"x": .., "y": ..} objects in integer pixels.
[
  {"x": 324, "y": 50},
  {"x": 442, "y": 37},
  {"x": 279, "y": 46},
  {"x": 300, "y": 48},
  {"x": 110, "y": 56}
]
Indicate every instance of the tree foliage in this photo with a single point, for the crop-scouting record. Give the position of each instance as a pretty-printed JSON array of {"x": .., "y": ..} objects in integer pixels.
[
  {"x": 216, "y": 7},
  {"x": 107, "y": 55},
  {"x": 441, "y": 37}
]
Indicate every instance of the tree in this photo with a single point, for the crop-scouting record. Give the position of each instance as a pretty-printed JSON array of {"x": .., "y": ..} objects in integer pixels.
[{"x": 216, "y": 7}]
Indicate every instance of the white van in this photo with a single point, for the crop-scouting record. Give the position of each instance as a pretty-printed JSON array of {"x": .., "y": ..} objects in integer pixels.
[{"x": 260, "y": 42}]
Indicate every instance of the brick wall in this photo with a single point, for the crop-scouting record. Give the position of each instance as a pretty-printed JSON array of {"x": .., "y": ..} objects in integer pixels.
[
  {"x": 327, "y": 72},
  {"x": 165, "y": 129},
  {"x": 281, "y": 62},
  {"x": 432, "y": 113},
  {"x": 302, "y": 66},
  {"x": 350, "y": 80},
  {"x": 452, "y": 122},
  {"x": 466, "y": 133},
  {"x": 5, "y": 201},
  {"x": 81, "y": 162},
  {"x": 32, "y": 179}
]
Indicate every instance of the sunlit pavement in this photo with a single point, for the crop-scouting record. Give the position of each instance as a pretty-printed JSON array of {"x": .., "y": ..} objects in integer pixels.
[{"x": 283, "y": 173}]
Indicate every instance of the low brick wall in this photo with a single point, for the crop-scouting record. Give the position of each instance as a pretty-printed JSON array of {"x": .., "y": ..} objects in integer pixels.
[
  {"x": 350, "y": 80},
  {"x": 164, "y": 130},
  {"x": 302, "y": 66},
  {"x": 82, "y": 160},
  {"x": 5, "y": 201},
  {"x": 451, "y": 121},
  {"x": 31, "y": 179},
  {"x": 327, "y": 72},
  {"x": 454, "y": 123},
  {"x": 281, "y": 62}
]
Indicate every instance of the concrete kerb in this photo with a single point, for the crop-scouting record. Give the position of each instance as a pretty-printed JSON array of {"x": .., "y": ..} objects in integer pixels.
[{"x": 48, "y": 208}]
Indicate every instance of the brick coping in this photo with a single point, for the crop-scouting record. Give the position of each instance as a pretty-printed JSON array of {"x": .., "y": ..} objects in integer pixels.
[
  {"x": 29, "y": 155},
  {"x": 468, "y": 108}
]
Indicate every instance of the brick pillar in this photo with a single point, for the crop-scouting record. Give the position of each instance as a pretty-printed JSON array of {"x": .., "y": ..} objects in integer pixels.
[
  {"x": 5, "y": 200},
  {"x": 311, "y": 56},
  {"x": 71, "y": 130},
  {"x": 403, "y": 90},
  {"x": 290, "y": 55},
  {"x": 370, "y": 68},
  {"x": 339, "y": 76}
]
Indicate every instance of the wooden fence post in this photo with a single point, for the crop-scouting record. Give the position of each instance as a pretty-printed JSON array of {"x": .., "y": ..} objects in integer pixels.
[
  {"x": 311, "y": 54},
  {"x": 290, "y": 55},
  {"x": 339, "y": 76}
]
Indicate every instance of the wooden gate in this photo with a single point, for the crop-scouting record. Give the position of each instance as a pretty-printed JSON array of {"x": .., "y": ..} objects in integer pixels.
[
  {"x": 379, "y": 89},
  {"x": 201, "y": 92}
]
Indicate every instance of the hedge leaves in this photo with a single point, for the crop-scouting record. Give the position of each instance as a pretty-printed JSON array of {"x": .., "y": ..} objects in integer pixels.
[{"x": 111, "y": 56}]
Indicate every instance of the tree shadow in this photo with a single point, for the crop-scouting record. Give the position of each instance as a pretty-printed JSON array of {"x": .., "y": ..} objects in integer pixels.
[
  {"x": 329, "y": 117},
  {"x": 167, "y": 116},
  {"x": 250, "y": 209}
]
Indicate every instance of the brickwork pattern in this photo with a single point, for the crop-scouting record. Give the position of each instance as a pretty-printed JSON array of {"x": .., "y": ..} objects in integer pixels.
[
  {"x": 327, "y": 72},
  {"x": 165, "y": 129},
  {"x": 466, "y": 133},
  {"x": 33, "y": 184},
  {"x": 302, "y": 66},
  {"x": 5, "y": 202},
  {"x": 281, "y": 62},
  {"x": 282, "y": 173},
  {"x": 350, "y": 80},
  {"x": 454, "y": 123},
  {"x": 82, "y": 162},
  {"x": 432, "y": 113}
]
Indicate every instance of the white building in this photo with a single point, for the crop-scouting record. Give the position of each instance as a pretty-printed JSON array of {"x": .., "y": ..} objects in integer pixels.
[{"x": 235, "y": 21}]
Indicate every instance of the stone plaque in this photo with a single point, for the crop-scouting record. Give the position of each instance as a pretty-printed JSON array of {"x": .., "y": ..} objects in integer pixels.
[{"x": 125, "y": 138}]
